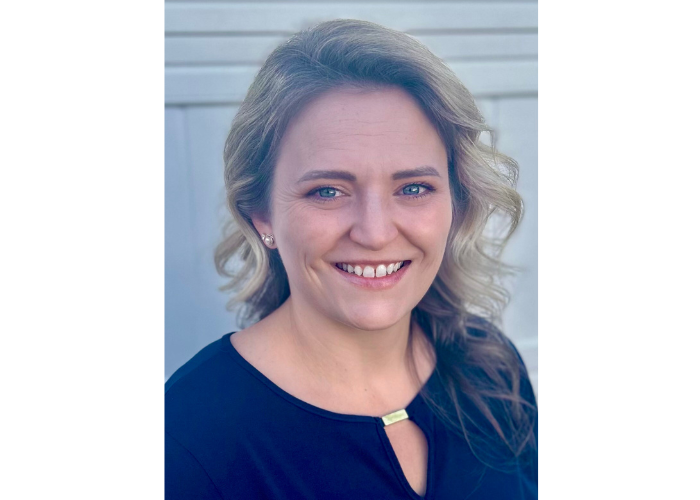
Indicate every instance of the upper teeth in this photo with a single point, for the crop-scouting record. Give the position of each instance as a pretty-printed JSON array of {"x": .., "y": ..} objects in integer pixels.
[{"x": 371, "y": 272}]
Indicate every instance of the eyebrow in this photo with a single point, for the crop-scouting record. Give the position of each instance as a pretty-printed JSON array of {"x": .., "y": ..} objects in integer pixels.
[
  {"x": 344, "y": 175},
  {"x": 416, "y": 172},
  {"x": 328, "y": 174}
]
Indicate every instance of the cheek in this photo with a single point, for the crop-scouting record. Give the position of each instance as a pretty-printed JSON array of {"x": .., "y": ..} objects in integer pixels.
[
  {"x": 430, "y": 226},
  {"x": 305, "y": 233}
]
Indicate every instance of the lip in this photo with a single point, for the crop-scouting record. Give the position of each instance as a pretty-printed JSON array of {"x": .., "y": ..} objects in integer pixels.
[
  {"x": 374, "y": 283},
  {"x": 373, "y": 263}
]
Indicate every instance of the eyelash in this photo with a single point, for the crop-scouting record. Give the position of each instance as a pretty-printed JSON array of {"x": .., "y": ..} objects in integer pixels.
[{"x": 428, "y": 190}]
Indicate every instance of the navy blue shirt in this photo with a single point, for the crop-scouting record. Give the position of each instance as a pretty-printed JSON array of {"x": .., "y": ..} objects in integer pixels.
[{"x": 231, "y": 433}]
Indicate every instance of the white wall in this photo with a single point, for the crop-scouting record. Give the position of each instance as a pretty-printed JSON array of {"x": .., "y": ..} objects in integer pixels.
[{"x": 212, "y": 51}]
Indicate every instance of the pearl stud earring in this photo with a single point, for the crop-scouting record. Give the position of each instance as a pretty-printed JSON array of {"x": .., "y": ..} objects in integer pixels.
[{"x": 268, "y": 239}]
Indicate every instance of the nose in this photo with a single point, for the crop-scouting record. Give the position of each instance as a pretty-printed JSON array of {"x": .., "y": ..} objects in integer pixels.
[{"x": 373, "y": 224}]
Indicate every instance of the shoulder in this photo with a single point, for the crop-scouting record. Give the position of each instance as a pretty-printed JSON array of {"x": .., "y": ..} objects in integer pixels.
[
  {"x": 213, "y": 405},
  {"x": 491, "y": 357},
  {"x": 480, "y": 329},
  {"x": 211, "y": 391},
  {"x": 189, "y": 371},
  {"x": 496, "y": 368},
  {"x": 202, "y": 373}
]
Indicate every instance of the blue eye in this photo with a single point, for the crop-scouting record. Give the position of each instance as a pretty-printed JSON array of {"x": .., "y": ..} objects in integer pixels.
[
  {"x": 327, "y": 192},
  {"x": 414, "y": 189}
]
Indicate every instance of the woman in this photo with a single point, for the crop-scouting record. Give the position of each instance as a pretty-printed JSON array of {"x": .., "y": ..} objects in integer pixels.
[{"x": 360, "y": 195}]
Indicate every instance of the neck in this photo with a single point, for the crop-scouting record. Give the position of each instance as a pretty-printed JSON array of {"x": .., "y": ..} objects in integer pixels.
[{"x": 340, "y": 356}]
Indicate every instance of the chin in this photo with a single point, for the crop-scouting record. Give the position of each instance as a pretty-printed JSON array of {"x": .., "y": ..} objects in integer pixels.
[{"x": 374, "y": 318}]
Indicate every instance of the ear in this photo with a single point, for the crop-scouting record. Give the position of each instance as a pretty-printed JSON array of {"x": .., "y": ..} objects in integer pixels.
[{"x": 262, "y": 226}]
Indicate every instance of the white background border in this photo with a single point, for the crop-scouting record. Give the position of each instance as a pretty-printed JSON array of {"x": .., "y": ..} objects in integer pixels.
[{"x": 82, "y": 220}]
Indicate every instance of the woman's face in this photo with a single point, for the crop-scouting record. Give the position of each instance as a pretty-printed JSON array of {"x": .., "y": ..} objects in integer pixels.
[{"x": 361, "y": 182}]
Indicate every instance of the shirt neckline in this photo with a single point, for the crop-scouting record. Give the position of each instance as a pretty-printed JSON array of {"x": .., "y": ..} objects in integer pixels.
[{"x": 412, "y": 408}]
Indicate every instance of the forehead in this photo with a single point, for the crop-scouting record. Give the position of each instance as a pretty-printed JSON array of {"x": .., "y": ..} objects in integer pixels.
[{"x": 383, "y": 129}]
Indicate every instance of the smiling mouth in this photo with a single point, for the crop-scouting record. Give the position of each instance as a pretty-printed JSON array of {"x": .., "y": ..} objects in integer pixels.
[{"x": 379, "y": 271}]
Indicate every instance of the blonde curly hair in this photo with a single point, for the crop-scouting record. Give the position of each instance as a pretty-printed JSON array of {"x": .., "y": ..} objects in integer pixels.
[{"x": 476, "y": 365}]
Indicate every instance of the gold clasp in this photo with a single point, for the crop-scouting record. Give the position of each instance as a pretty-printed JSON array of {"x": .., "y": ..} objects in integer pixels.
[{"x": 392, "y": 418}]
